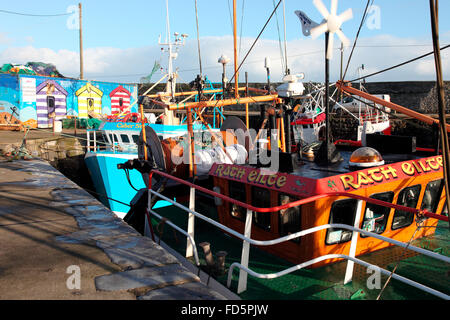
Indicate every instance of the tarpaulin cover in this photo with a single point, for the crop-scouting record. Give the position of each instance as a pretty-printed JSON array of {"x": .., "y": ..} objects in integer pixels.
[{"x": 32, "y": 68}]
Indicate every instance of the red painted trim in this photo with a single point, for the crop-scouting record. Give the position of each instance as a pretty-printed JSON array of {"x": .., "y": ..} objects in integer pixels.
[
  {"x": 318, "y": 119},
  {"x": 298, "y": 202}
]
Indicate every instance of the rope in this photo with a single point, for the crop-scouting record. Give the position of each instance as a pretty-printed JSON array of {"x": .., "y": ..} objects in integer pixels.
[{"x": 396, "y": 265}]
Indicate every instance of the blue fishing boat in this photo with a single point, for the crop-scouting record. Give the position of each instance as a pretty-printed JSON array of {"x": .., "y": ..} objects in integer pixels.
[{"x": 116, "y": 142}]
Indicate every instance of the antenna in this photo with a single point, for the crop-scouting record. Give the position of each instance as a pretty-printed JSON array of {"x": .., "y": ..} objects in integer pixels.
[
  {"x": 331, "y": 25},
  {"x": 327, "y": 153}
]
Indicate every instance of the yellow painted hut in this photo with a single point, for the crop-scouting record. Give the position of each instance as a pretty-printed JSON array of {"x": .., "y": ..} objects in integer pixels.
[{"x": 89, "y": 100}]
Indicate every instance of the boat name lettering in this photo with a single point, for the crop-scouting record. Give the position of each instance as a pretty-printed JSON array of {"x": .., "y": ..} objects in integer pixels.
[
  {"x": 421, "y": 166},
  {"x": 254, "y": 176},
  {"x": 381, "y": 174},
  {"x": 122, "y": 125},
  {"x": 228, "y": 171},
  {"x": 369, "y": 177}
]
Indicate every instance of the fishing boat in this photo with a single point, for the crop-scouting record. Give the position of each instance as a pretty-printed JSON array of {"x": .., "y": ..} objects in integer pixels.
[
  {"x": 111, "y": 144},
  {"x": 334, "y": 226},
  {"x": 117, "y": 138}
]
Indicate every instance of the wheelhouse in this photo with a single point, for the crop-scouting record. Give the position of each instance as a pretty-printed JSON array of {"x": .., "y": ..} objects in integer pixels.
[{"x": 415, "y": 183}]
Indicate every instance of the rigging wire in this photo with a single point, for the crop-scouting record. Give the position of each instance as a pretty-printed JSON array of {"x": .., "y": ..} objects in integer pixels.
[
  {"x": 398, "y": 65},
  {"x": 304, "y": 54},
  {"x": 285, "y": 41},
  {"x": 279, "y": 39},
  {"x": 242, "y": 23},
  {"x": 231, "y": 16},
  {"x": 35, "y": 15},
  {"x": 254, "y": 42},
  {"x": 198, "y": 40},
  {"x": 357, "y": 35}
]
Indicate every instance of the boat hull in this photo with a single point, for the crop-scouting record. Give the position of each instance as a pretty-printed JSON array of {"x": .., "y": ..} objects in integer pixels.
[{"x": 111, "y": 184}]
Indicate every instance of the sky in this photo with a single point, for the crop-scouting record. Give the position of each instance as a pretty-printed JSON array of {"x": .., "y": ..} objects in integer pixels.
[{"x": 120, "y": 39}]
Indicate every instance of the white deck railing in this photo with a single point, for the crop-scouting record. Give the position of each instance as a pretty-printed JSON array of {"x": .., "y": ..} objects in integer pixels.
[{"x": 247, "y": 241}]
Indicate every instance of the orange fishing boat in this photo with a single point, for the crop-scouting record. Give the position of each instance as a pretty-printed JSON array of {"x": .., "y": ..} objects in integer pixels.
[{"x": 341, "y": 206}]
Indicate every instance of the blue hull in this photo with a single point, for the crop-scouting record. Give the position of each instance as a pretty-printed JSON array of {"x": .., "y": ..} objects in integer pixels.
[{"x": 112, "y": 182}]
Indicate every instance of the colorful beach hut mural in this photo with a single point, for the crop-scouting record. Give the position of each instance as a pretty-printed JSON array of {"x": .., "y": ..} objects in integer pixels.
[
  {"x": 120, "y": 99},
  {"x": 50, "y": 103},
  {"x": 25, "y": 99},
  {"x": 89, "y": 100}
]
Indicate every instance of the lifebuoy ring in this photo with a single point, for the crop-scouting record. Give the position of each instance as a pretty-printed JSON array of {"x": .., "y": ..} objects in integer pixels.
[{"x": 132, "y": 117}]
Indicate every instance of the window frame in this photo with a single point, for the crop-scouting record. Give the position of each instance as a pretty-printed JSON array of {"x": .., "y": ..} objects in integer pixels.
[
  {"x": 330, "y": 216},
  {"x": 438, "y": 196},
  {"x": 230, "y": 207},
  {"x": 291, "y": 199},
  {"x": 387, "y": 214},
  {"x": 396, "y": 211},
  {"x": 261, "y": 215}
]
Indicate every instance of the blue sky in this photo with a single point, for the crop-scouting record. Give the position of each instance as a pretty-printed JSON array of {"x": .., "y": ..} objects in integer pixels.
[{"x": 120, "y": 38}]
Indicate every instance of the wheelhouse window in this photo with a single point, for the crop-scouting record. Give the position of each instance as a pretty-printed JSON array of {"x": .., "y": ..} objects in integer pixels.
[
  {"x": 432, "y": 195},
  {"x": 135, "y": 138},
  {"x": 376, "y": 216},
  {"x": 125, "y": 138},
  {"x": 261, "y": 199},
  {"x": 289, "y": 220},
  {"x": 408, "y": 197},
  {"x": 343, "y": 212},
  {"x": 236, "y": 190}
]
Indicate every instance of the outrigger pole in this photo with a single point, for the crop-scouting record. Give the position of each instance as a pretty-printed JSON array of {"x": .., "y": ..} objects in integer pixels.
[{"x": 441, "y": 99}]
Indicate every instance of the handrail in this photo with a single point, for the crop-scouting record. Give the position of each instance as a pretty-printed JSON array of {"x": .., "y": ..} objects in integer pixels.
[
  {"x": 247, "y": 238},
  {"x": 332, "y": 256},
  {"x": 302, "y": 233},
  {"x": 197, "y": 261},
  {"x": 420, "y": 212}
]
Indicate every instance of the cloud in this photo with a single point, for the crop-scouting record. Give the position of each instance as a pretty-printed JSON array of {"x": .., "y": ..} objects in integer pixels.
[
  {"x": 304, "y": 55},
  {"x": 4, "y": 39}
]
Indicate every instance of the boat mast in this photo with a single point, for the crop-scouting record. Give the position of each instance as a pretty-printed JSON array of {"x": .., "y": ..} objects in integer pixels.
[
  {"x": 285, "y": 41},
  {"x": 236, "y": 93},
  {"x": 169, "y": 117}
]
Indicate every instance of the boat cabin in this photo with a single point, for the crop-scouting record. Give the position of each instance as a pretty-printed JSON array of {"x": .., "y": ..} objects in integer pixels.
[{"x": 404, "y": 180}]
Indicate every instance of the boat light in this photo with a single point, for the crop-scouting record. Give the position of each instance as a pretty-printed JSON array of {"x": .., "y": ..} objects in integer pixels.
[{"x": 366, "y": 157}]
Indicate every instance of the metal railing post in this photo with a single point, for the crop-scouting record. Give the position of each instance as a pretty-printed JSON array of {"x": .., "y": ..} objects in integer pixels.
[
  {"x": 88, "y": 143},
  {"x": 353, "y": 244},
  {"x": 191, "y": 223},
  {"x": 95, "y": 140},
  {"x": 242, "y": 284},
  {"x": 147, "y": 231}
]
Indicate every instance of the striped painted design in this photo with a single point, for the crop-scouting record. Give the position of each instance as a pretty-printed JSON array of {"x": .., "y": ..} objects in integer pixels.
[
  {"x": 43, "y": 93},
  {"x": 116, "y": 95},
  {"x": 84, "y": 94}
]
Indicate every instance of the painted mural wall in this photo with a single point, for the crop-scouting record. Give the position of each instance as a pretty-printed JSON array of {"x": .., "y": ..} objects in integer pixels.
[{"x": 37, "y": 101}]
